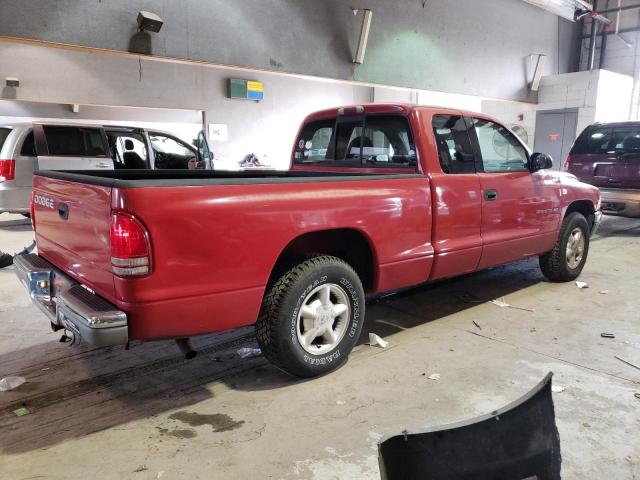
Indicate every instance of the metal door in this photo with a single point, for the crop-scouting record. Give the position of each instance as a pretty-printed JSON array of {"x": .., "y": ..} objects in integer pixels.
[{"x": 555, "y": 133}]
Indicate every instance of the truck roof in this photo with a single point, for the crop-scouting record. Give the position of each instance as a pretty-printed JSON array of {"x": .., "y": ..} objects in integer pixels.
[{"x": 373, "y": 108}]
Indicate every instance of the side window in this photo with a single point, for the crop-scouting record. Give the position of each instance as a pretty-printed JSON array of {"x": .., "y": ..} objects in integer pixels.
[
  {"x": 28, "y": 146},
  {"x": 499, "y": 149},
  {"x": 595, "y": 140},
  {"x": 387, "y": 141},
  {"x": 4, "y": 133},
  {"x": 128, "y": 150},
  {"x": 170, "y": 152},
  {"x": 74, "y": 141},
  {"x": 454, "y": 145},
  {"x": 314, "y": 143},
  {"x": 626, "y": 140}
]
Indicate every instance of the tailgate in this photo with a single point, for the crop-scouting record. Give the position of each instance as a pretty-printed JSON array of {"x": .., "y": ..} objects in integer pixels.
[{"x": 72, "y": 230}]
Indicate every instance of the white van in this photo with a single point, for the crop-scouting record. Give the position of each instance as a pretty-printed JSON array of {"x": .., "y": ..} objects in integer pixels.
[{"x": 26, "y": 147}]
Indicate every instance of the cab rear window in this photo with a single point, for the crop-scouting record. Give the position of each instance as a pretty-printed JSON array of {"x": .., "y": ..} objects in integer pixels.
[{"x": 371, "y": 141}]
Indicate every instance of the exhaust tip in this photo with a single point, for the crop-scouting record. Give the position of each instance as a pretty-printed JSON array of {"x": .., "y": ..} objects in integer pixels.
[{"x": 184, "y": 344}]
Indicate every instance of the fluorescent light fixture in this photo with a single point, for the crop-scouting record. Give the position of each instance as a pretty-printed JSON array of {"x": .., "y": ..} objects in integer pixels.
[
  {"x": 364, "y": 36},
  {"x": 562, "y": 8}
]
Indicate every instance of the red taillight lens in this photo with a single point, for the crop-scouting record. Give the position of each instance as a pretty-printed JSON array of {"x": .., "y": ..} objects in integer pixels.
[
  {"x": 567, "y": 163},
  {"x": 7, "y": 170},
  {"x": 130, "y": 250},
  {"x": 32, "y": 211}
]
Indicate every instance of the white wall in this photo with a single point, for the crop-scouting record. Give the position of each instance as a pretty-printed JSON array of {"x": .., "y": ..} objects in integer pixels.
[{"x": 599, "y": 95}]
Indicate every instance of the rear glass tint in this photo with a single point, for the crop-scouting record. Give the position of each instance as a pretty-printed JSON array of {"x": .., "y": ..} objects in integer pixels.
[
  {"x": 74, "y": 141},
  {"x": 4, "y": 133},
  {"x": 373, "y": 141},
  {"x": 604, "y": 139}
]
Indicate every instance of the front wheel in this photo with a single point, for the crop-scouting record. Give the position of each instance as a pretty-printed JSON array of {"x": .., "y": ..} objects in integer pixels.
[
  {"x": 311, "y": 317},
  {"x": 566, "y": 261}
]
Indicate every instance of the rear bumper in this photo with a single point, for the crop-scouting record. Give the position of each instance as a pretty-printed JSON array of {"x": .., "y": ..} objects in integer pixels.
[
  {"x": 621, "y": 202},
  {"x": 14, "y": 199},
  {"x": 87, "y": 317}
]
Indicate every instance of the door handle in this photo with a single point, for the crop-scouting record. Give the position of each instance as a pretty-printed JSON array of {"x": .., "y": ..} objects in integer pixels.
[{"x": 490, "y": 195}]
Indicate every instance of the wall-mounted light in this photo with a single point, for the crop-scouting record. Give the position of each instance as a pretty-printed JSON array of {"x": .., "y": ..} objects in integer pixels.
[
  {"x": 149, "y": 21},
  {"x": 537, "y": 73},
  {"x": 364, "y": 34}
]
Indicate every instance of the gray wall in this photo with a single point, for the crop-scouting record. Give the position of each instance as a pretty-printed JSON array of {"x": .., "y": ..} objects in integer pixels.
[
  {"x": 68, "y": 76},
  {"x": 462, "y": 46}
]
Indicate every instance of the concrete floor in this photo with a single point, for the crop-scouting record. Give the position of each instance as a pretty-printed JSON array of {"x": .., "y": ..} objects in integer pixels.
[{"x": 148, "y": 414}]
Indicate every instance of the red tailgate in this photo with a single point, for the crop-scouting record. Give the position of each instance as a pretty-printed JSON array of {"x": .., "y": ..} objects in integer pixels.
[{"x": 72, "y": 230}]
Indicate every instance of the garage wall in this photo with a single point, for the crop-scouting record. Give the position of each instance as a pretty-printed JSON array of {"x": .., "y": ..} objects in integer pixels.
[
  {"x": 467, "y": 46},
  {"x": 266, "y": 128}
]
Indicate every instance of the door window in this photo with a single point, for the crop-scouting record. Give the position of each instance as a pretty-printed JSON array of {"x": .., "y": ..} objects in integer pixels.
[
  {"x": 387, "y": 141},
  {"x": 74, "y": 141},
  {"x": 169, "y": 152},
  {"x": 499, "y": 149},
  {"x": 454, "y": 145},
  {"x": 128, "y": 150}
]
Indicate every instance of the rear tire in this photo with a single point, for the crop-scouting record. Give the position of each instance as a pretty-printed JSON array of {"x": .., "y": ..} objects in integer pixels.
[
  {"x": 566, "y": 261},
  {"x": 311, "y": 317}
]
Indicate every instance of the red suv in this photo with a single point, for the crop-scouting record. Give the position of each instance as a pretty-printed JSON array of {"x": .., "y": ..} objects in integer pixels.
[{"x": 607, "y": 155}]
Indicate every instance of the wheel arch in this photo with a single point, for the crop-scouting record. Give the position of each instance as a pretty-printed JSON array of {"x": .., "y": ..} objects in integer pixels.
[
  {"x": 351, "y": 245},
  {"x": 585, "y": 207}
]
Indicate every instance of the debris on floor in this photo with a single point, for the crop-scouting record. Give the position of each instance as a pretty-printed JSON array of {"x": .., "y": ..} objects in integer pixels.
[
  {"x": 557, "y": 389},
  {"x": 607, "y": 335},
  {"x": 434, "y": 376},
  {"x": 21, "y": 412},
  {"x": 477, "y": 324},
  {"x": 501, "y": 303},
  {"x": 467, "y": 297},
  {"x": 247, "y": 352},
  {"x": 520, "y": 440},
  {"x": 376, "y": 341},
  {"x": 340, "y": 402},
  {"x": 582, "y": 284},
  {"x": 627, "y": 362},
  {"x": 9, "y": 383},
  {"x": 637, "y": 395},
  {"x": 141, "y": 468},
  {"x": 603, "y": 292}
]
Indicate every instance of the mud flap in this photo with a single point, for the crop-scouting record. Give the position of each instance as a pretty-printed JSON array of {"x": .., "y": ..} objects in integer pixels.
[{"x": 517, "y": 442}]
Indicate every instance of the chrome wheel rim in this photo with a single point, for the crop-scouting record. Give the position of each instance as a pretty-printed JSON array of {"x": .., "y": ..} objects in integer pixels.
[
  {"x": 575, "y": 248},
  {"x": 323, "y": 319}
]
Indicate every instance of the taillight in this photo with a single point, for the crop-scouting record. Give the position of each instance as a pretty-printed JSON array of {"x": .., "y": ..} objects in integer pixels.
[
  {"x": 567, "y": 163},
  {"x": 7, "y": 170},
  {"x": 130, "y": 249},
  {"x": 32, "y": 211}
]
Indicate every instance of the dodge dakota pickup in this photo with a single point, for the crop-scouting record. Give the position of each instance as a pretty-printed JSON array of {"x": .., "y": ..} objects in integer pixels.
[{"x": 378, "y": 198}]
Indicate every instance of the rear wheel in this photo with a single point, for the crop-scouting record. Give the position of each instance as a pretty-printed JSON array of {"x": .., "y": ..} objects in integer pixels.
[
  {"x": 312, "y": 317},
  {"x": 566, "y": 261}
]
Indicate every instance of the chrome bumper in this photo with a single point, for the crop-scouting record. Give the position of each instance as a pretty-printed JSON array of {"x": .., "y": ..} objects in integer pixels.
[
  {"x": 87, "y": 317},
  {"x": 597, "y": 220}
]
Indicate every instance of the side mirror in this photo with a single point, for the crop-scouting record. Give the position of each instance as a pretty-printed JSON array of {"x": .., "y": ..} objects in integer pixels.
[{"x": 540, "y": 161}]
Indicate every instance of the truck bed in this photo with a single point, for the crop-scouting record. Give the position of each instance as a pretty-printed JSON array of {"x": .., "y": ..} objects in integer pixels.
[{"x": 216, "y": 237}]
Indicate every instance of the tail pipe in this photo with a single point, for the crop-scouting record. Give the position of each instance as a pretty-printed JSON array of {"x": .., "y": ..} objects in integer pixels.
[{"x": 184, "y": 344}]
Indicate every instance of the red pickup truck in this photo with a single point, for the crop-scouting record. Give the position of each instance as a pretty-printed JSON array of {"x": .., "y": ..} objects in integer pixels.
[{"x": 378, "y": 198}]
